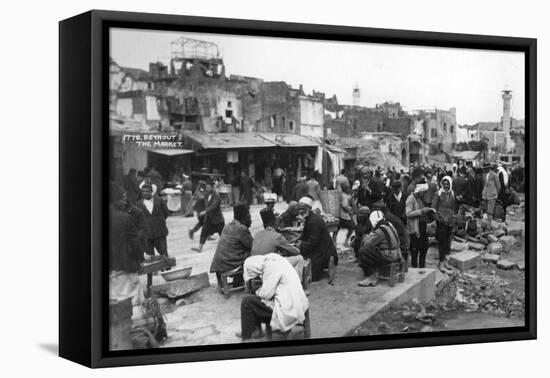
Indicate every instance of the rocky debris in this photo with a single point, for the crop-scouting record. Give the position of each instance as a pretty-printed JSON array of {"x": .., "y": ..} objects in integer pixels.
[
  {"x": 465, "y": 260},
  {"x": 521, "y": 265},
  {"x": 492, "y": 238},
  {"x": 506, "y": 264},
  {"x": 516, "y": 228},
  {"x": 489, "y": 293},
  {"x": 441, "y": 281},
  {"x": 483, "y": 240},
  {"x": 383, "y": 326},
  {"x": 457, "y": 247},
  {"x": 476, "y": 246},
  {"x": 496, "y": 225},
  {"x": 459, "y": 239},
  {"x": 515, "y": 213},
  {"x": 507, "y": 242},
  {"x": 425, "y": 317},
  {"x": 426, "y": 329},
  {"x": 491, "y": 258},
  {"x": 495, "y": 248},
  {"x": 499, "y": 233}
]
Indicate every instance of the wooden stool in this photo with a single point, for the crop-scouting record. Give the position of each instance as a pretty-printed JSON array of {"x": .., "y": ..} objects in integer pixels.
[
  {"x": 306, "y": 325},
  {"x": 393, "y": 272},
  {"x": 224, "y": 284},
  {"x": 306, "y": 274}
]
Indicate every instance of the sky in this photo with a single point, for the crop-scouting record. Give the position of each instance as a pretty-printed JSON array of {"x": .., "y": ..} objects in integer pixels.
[{"x": 417, "y": 77}]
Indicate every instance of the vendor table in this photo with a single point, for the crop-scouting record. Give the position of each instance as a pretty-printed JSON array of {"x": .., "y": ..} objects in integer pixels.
[{"x": 157, "y": 264}]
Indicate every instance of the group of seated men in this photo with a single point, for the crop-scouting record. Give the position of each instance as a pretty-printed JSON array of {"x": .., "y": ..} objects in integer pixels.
[
  {"x": 236, "y": 242},
  {"x": 380, "y": 239},
  {"x": 276, "y": 263}
]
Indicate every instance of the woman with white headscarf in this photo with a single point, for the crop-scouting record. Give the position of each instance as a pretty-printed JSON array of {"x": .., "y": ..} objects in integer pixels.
[
  {"x": 380, "y": 247},
  {"x": 280, "y": 299},
  {"x": 444, "y": 204}
]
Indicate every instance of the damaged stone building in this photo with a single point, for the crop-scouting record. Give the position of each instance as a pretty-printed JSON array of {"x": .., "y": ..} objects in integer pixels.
[{"x": 193, "y": 94}]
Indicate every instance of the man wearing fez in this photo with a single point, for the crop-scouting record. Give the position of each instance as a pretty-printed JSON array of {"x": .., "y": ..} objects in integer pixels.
[
  {"x": 235, "y": 242},
  {"x": 316, "y": 243},
  {"x": 270, "y": 241},
  {"x": 155, "y": 212},
  {"x": 125, "y": 248}
]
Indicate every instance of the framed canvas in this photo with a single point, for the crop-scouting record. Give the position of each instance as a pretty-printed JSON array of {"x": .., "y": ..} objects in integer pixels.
[{"x": 236, "y": 188}]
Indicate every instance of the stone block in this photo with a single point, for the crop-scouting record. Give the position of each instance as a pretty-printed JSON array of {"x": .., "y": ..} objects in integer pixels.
[
  {"x": 507, "y": 242},
  {"x": 499, "y": 233},
  {"x": 495, "y": 248},
  {"x": 490, "y": 257},
  {"x": 455, "y": 246},
  {"x": 492, "y": 238},
  {"x": 178, "y": 288},
  {"x": 465, "y": 260},
  {"x": 496, "y": 225},
  {"x": 476, "y": 246},
  {"x": 484, "y": 241},
  {"x": 506, "y": 264}
]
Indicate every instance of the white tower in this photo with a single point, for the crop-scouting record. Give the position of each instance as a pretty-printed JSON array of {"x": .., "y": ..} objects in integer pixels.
[
  {"x": 506, "y": 119},
  {"x": 356, "y": 95}
]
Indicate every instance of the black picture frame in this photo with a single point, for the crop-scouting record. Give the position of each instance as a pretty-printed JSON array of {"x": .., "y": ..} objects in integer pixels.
[{"x": 83, "y": 116}]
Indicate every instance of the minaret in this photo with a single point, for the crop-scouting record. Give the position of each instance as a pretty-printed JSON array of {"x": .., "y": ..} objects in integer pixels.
[
  {"x": 506, "y": 120},
  {"x": 356, "y": 95}
]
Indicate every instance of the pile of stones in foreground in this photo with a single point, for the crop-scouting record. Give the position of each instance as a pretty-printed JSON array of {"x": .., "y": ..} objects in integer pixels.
[{"x": 493, "y": 241}]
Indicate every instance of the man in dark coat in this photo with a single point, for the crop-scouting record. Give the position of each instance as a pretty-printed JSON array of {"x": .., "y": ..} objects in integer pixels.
[
  {"x": 235, "y": 242},
  {"x": 396, "y": 201},
  {"x": 300, "y": 189},
  {"x": 399, "y": 226},
  {"x": 289, "y": 184},
  {"x": 246, "y": 189},
  {"x": 461, "y": 187},
  {"x": 125, "y": 249},
  {"x": 367, "y": 193},
  {"x": 316, "y": 243},
  {"x": 131, "y": 186},
  {"x": 379, "y": 188},
  {"x": 155, "y": 212},
  {"x": 155, "y": 177},
  {"x": 213, "y": 217}
]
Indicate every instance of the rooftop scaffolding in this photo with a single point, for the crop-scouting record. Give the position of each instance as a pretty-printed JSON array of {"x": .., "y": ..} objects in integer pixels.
[{"x": 187, "y": 48}]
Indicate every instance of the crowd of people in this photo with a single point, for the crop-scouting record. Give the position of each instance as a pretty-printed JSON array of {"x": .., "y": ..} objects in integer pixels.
[{"x": 385, "y": 214}]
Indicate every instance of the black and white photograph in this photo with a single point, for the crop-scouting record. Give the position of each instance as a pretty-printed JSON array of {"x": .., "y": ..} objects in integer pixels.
[{"x": 266, "y": 189}]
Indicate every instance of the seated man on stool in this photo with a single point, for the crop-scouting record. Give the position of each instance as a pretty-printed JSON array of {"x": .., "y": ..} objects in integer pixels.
[
  {"x": 270, "y": 241},
  {"x": 234, "y": 244},
  {"x": 379, "y": 248},
  {"x": 277, "y": 296}
]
